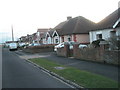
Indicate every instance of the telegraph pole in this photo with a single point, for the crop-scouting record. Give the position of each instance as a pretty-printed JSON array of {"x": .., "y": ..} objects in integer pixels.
[{"x": 12, "y": 33}]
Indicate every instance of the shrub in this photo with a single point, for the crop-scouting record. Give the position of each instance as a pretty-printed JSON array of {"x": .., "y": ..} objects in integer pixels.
[{"x": 96, "y": 43}]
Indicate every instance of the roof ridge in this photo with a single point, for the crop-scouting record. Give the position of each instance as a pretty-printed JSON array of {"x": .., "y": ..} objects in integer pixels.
[{"x": 76, "y": 24}]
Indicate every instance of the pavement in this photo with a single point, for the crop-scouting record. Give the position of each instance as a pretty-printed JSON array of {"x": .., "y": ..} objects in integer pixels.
[{"x": 106, "y": 70}]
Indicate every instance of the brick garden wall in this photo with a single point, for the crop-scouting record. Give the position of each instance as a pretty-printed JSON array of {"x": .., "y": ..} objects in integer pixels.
[
  {"x": 99, "y": 54},
  {"x": 65, "y": 51},
  {"x": 39, "y": 49},
  {"x": 112, "y": 57},
  {"x": 88, "y": 54}
]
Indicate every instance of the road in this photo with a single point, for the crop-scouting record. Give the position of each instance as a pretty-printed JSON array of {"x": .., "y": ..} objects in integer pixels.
[{"x": 17, "y": 73}]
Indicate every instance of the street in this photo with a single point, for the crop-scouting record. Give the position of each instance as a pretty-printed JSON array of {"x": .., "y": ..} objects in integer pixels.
[{"x": 17, "y": 73}]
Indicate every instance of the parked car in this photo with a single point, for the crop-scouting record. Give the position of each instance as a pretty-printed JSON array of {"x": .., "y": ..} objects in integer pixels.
[
  {"x": 58, "y": 46},
  {"x": 71, "y": 43},
  {"x": 82, "y": 46},
  {"x": 22, "y": 44},
  {"x": 34, "y": 44},
  {"x": 13, "y": 46}
]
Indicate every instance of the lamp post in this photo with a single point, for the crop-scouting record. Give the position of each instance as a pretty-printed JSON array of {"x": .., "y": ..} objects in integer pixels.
[{"x": 12, "y": 34}]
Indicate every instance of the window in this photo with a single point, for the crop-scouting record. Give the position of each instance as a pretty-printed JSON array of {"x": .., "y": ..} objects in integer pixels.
[
  {"x": 112, "y": 33},
  {"x": 99, "y": 36},
  {"x": 55, "y": 34},
  {"x": 62, "y": 38},
  {"x": 56, "y": 40},
  {"x": 69, "y": 39}
]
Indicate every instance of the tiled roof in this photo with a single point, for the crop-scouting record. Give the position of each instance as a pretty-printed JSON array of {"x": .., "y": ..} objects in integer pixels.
[
  {"x": 109, "y": 21},
  {"x": 51, "y": 32},
  {"x": 77, "y": 25},
  {"x": 59, "y": 27},
  {"x": 42, "y": 30}
]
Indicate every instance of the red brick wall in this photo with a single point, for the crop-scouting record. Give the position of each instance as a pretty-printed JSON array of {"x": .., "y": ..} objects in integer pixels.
[
  {"x": 65, "y": 51},
  {"x": 91, "y": 54},
  {"x": 39, "y": 49},
  {"x": 96, "y": 54}
]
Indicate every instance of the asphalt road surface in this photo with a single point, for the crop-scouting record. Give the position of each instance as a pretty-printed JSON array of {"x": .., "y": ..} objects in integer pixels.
[{"x": 17, "y": 73}]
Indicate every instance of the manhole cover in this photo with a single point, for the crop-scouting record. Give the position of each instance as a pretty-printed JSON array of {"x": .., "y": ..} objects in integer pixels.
[{"x": 59, "y": 68}]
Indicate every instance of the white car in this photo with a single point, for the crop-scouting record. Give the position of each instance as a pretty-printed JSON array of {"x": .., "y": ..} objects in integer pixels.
[
  {"x": 82, "y": 46},
  {"x": 21, "y": 44},
  {"x": 13, "y": 46},
  {"x": 34, "y": 44},
  {"x": 58, "y": 46},
  {"x": 62, "y": 45}
]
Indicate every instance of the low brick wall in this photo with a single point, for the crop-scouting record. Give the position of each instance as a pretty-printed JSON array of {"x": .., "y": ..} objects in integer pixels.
[
  {"x": 90, "y": 54},
  {"x": 65, "y": 51},
  {"x": 97, "y": 54},
  {"x": 61, "y": 52},
  {"x": 39, "y": 49},
  {"x": 112, "y": 57}
]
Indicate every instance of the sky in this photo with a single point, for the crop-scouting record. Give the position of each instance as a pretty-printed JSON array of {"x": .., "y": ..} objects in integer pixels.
[{"x": 26, "y": 16}]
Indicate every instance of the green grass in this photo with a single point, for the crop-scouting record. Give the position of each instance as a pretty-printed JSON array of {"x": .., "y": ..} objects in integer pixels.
[{"x": 83, "y": 78}]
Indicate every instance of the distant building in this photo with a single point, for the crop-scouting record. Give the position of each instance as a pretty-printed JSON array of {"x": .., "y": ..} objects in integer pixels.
[{"x": 41, "y": 34}]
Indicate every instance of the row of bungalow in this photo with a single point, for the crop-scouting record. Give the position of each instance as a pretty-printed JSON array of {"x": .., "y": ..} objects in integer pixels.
[{"x": 78, "y": 29}]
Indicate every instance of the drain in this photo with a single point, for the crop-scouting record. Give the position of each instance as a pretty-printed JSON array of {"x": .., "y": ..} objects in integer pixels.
[{"x": 59, "y": 68}]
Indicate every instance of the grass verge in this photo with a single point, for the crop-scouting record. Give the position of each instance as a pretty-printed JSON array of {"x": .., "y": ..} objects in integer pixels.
[{"x": 82, "y": 78}]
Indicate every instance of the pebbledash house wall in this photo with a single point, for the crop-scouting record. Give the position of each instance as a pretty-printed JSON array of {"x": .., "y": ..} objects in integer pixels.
[
  {"x": 80, "y": 38},
  {"x": 105, "y": 33},
  {"x": 118, "y": 31}
]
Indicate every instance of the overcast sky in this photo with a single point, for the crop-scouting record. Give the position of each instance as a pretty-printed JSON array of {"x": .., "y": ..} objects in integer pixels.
[{"x": 27, "y": 16}]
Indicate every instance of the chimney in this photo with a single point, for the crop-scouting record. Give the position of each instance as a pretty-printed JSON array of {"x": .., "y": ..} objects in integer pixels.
[{"x": 69, "y": 17}]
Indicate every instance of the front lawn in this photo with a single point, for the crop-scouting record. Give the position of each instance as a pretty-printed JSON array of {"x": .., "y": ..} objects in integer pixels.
[{"x": 82, "y": 78}]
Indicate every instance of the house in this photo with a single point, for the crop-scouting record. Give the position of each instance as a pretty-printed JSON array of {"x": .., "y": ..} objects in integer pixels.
[
  {"x": 108, "y": 27},
  {"x": 75, "y": 29},
  {"x": 40, "y": 33},
  {"x": 23, "y": 39},
  {"x": 48, "y": 37},
  {"x": 34, "y": 38},
  {"x": 57, "y": 34}
]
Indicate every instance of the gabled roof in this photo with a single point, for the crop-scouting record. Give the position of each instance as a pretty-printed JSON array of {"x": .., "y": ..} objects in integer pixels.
[
  {"x": 109, "y": 21},
  {"x": 51, "y": 32},
  {"x": 77, "y": 25}
]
